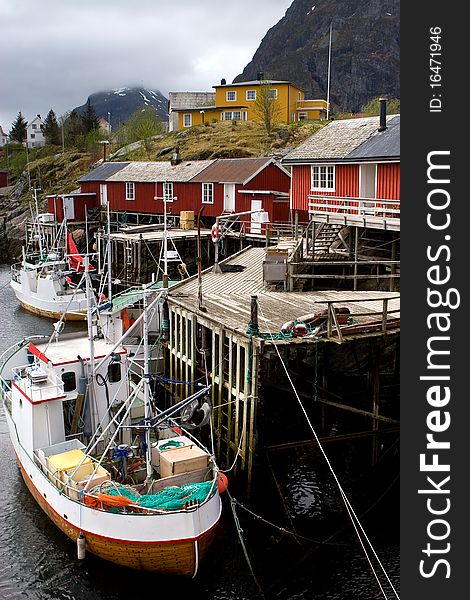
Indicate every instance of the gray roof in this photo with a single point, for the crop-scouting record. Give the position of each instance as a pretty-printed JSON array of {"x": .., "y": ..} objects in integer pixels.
[
  {"x": 384, "y": 144},
  {"x": 256, "y": 82},
  {"x": 350, "y": 139},
  {"x": 144, "y": 172},
  {"x": 104, "y": 171}
]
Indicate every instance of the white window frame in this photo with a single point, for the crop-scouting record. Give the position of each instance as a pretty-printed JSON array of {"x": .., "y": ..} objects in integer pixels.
[
  {"x": 316, "y": 178},
  {"x": 168, "y": 191},
  {"x": 130, "y": 190},
  {"x": 229, "y": 115},
  {"x": 252, "y": 92},
  {"x": 234, "y": 99},
  {"x": 208, "y": 193},
  {"x": 190, "y": 118},
  {"x": 303, "y": 116},
  {"x": 272, "y": 94}
]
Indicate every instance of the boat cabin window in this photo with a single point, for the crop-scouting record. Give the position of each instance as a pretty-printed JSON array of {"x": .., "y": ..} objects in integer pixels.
[
  {"x": 114, "y": 372},
  {"x": 70, "y": 381}
]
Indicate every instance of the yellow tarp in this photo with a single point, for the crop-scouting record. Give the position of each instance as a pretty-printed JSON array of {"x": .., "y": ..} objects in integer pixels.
[{"x": 67, "y": 460}]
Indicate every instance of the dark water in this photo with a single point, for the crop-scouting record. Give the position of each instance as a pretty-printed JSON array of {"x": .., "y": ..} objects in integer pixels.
[{"x": 39, "y": 562}]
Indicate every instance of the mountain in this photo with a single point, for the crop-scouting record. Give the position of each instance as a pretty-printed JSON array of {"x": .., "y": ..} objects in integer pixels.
[
  {"x": 365, "y": 55},
  {"x": 121, "y": 103}
]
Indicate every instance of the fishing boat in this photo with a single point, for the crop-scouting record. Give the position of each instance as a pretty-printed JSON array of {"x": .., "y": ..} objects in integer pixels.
[
  {"x": 127, "y": 484},
  {"x": 48, "y": 280}
]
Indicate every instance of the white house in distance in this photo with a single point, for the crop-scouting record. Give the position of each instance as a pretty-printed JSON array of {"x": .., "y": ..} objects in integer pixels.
[
  {"x": 3, "y": 137},
  {"x": 34, "y": 135}
]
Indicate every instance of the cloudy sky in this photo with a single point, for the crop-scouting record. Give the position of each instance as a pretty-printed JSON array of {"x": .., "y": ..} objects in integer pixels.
[{"x": 54, "y": 53}]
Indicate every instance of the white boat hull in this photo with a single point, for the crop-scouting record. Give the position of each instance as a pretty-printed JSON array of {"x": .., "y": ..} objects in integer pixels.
[
  {"x": 46, "y": 303},
  {"x": 171, "y": 543}
]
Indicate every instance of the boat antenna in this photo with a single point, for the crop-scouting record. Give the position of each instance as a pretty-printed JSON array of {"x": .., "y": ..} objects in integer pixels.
[{"x": 329, "y": 76}]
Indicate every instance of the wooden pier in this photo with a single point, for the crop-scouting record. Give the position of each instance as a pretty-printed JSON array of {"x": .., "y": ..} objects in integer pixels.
[{"x": 221, "y": 339}]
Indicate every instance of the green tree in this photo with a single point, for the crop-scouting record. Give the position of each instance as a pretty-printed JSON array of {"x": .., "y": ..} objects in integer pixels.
[
  {"x": 142, "y": 126},
  {"x": 51, "y": 130},
  {"x": 73, "y": 128},
  {"x": 266, "y": 106},
  {"x": 89, "y": 118},
  {"x": 18, "y": 129},
  {"x": 372, "y": 108}
]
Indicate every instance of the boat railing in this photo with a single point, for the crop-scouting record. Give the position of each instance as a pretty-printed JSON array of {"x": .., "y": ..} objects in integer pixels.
[{"x": 38, "y": 391}]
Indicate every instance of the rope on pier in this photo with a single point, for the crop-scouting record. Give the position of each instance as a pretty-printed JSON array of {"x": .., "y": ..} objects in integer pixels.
[{"x": 361, "y": 534}]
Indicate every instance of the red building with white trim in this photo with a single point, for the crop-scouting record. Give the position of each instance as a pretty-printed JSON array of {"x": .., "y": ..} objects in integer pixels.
[
  {"x": 221, "y": 185},
  {"x": 348, "y": 173}
]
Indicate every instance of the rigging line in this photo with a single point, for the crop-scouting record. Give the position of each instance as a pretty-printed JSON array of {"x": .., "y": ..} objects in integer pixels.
[
  {"x": 62, "y": 318},
  {"x": 212, "y": 412},
  {"x": 287, "y": 531},
  {"x": 238, "y": 449},
  {"x": 345, "y": 498},
  {"x": 242, "y": 543}
]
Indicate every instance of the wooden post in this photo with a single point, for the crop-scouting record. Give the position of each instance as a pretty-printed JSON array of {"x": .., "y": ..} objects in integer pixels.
[
  {"x": 393, "y": 269},
  {"x": 139, "y": 260},
  {"x": 356, "y": 244}
]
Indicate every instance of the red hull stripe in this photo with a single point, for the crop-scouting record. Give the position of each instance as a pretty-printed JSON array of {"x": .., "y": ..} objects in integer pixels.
[{"x": 36, "y": 401}]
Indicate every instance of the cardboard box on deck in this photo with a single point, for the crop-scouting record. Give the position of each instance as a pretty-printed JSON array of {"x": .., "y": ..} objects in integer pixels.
[{"x": 182, "y": 460}]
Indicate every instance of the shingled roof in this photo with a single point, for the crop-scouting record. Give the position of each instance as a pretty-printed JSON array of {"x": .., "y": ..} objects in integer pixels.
[
  {"x": 147, "y": 172},
  {"x": 350, "y": 140}
]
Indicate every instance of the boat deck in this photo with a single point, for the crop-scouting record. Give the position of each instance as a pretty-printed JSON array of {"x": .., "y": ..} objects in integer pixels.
[{"x": 69, "y": 347}]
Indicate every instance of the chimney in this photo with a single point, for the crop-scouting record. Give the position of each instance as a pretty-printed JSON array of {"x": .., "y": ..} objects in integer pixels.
[
  {"x": 383, "y": 114},
  {"x": 260, "y": 76},
  {"x": 176, "y": 158},
  {"x": 223, "y": 82}
]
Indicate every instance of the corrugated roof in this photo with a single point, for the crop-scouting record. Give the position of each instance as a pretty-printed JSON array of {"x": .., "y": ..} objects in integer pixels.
[
  {"x": 339, "y": 139},
  {"x": 232, "y": 170},
  {"x": 150, "y": 172}
]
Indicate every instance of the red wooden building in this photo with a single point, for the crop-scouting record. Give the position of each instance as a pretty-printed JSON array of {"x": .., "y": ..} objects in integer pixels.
[
  {"x": 73, "y": 206},
  {"x": 3, "y": 178},
  {"x": 221, "y": 185},
  {"x": 348, "y": 174}
]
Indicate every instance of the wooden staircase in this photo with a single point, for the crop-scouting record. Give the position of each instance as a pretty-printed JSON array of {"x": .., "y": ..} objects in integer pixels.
[{"x": 326, "y": 234}]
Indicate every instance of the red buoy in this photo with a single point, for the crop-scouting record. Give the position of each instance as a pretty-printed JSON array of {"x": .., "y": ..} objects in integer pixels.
[
  {"x": 178, "y": 430},
  {"x": 222, "y": 483}
]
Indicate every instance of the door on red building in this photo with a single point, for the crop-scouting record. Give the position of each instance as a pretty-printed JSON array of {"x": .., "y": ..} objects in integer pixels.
[
  {"x": 229, "y": 197},
  {"x": 367, "y": 187},
  {"x": 103, "y": 194},
  {"x": 256, "y": 217}
]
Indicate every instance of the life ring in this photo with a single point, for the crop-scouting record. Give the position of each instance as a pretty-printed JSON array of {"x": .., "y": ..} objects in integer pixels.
[{"x": 215, "y": 233}]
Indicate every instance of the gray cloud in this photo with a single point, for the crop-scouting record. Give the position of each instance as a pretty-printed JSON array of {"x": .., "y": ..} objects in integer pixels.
[{"x": 54, "y": 53}]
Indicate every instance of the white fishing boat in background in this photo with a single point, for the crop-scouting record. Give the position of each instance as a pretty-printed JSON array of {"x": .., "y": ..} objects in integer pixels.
[
  {"x": 115, "y": 474},
  {"x": 48, "y": 281}
]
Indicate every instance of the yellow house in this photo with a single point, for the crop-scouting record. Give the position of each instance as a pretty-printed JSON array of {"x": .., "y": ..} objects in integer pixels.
[{"x": 237, "y": 102}]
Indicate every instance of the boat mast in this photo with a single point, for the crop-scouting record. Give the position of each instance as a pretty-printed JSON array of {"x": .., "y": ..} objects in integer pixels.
[
  {"x": 109, "y": 251},
  {"x": 165, "y": 240},
  {"x": 145, "y": 335},
  {"x": 329, "y": 73},
  {"x": 91, "y": 364},
  {"x": 38, "y": 227}
]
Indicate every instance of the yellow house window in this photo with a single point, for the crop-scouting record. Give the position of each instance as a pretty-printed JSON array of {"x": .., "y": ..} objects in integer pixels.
[
  {"x": 251, "y": 94},
  {"x": 231, "y": 96},
  {"x": 187, "y": 120}
]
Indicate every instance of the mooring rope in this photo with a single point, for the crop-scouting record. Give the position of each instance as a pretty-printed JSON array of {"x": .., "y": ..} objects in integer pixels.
[{"x": 354, "y": 519}]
